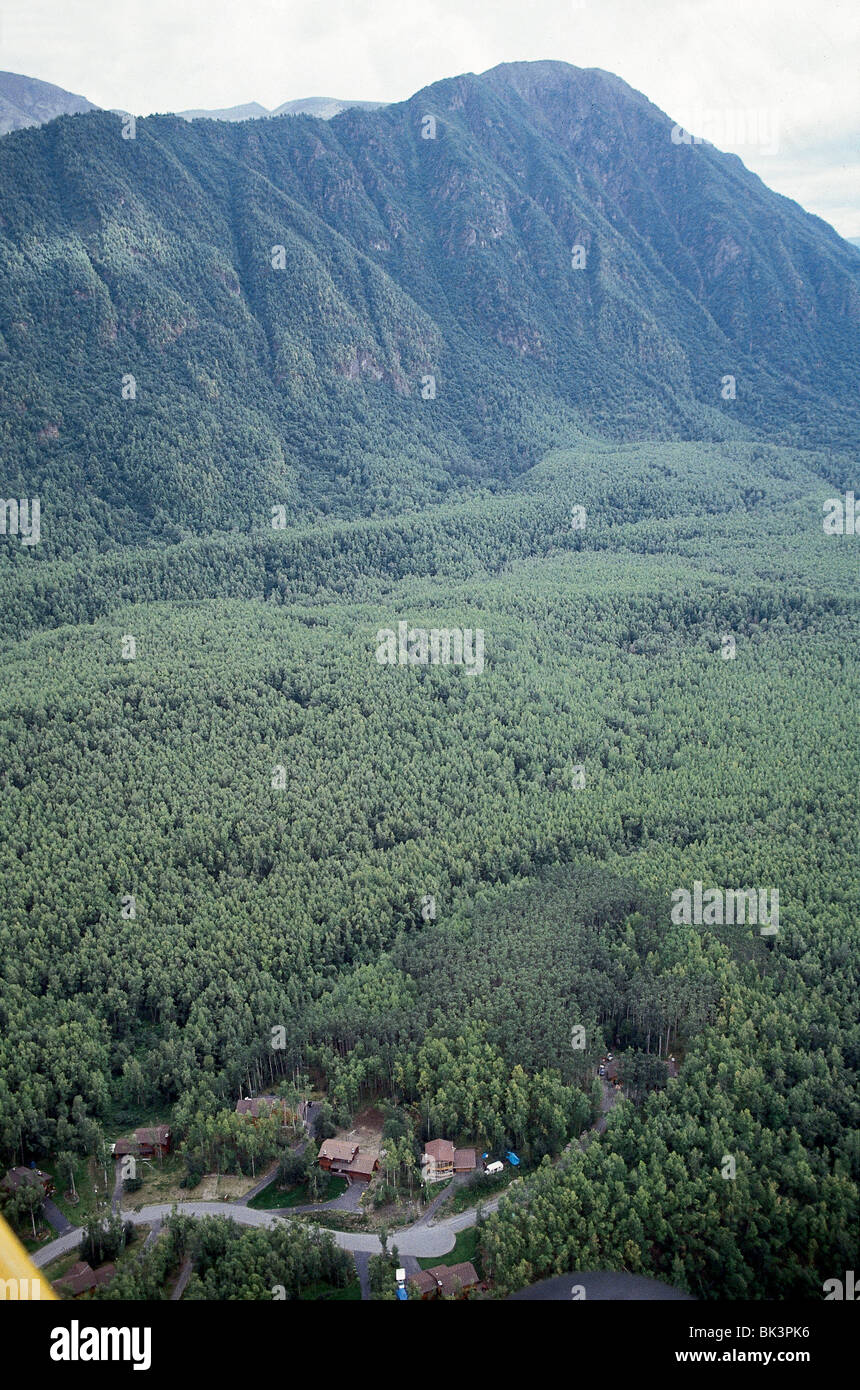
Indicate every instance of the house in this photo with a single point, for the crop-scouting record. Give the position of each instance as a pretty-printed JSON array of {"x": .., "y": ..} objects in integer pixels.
[
  {"x": 438, "y": 1160},
  {"x": 254, "y": 1107},
  {"x": 345, "y": 1158},
  {"x": 441, "y": 1160},
  {"x": 21, "y": 1176},
  {"x": 153, "y": 1142},
  {"x": 334, "y": 1154},
  {"x": 81, "y": 1279},
  {"x": 362, "y": 1168},
  {"x": 147, "y": 1143},
  {"x": 445, "y": 1281}
]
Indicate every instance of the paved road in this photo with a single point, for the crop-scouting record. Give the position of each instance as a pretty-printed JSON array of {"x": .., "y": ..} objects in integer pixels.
[
  {"x": 435, "y": 1240},
  {"x": 601, "y": 1286},
  {"x": 426, "y": 1238},
  {"x": 430, "y": 1210},
  {"x": 182, "y": 1282},
  {"x": 362, "y": 1269},
  {"x": 116, "y": 1199},
  {"x": 347, "y": 1201}
]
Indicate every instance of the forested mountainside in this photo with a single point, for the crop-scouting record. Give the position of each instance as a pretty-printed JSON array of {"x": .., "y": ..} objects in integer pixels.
[
  {"x": 222, "y": 814},
  {"x": 432, "y": 328}
]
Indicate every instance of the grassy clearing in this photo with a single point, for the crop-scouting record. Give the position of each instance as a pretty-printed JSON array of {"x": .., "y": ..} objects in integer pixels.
[
  {"x": 162, "y": 1176},
  {"x": 465, "y": 1248},
  {"x": 273, "y": 1197},
  {"x": 89, "y": 1187}
]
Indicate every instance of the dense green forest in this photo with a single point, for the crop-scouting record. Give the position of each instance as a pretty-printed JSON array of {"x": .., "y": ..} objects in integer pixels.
[
  {"x": 229, "y": 1263},
  {"x": 222, "y": 814},
  {"x": 301, "y": 906}
]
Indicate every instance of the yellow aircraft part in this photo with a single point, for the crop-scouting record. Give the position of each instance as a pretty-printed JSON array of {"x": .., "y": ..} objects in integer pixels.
[{"x": 21, "y": 1279}]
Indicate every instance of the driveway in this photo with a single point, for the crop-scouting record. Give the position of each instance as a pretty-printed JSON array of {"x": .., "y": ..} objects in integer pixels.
[
  {"x": 116, "y": 1199},
  {"x": 258, "y": 1186},
  {"x": 55, "y": 1218},
  {"x": 182, "y": 1282},
  {"x": 425, "y": 1239},
  {"x": 347, "y": 1201},
  {"x": 362, "y": 1269},
  {"x": 429, "y": 1211}
]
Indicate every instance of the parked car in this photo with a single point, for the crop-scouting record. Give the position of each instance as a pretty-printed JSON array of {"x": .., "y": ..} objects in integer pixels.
[{"x": 601, "y": 1071}]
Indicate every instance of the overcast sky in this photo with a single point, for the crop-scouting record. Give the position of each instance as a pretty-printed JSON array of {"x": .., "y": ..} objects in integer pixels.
[{"x": 789, "y": 68}]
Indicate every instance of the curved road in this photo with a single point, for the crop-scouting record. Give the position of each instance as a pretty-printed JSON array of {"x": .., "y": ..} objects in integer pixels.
[
  {"x": 412, "y": 1240},
  {"x": 421, "y": 1240}
]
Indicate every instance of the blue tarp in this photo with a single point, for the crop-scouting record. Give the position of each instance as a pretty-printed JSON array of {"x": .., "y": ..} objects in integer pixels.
[
  {"x": 512, "y": 1159},
  {"x": 402, "y": 1295}
]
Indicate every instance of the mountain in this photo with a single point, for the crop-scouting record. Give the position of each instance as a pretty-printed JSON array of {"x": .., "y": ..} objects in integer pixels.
[
  {"x": 473, "y": 355},
  {"x": 25, "y": 101},
  {"x": 324, "y": 107},
  {"x": 252, "y": 110},
  {"x": 431, "y": 330}
]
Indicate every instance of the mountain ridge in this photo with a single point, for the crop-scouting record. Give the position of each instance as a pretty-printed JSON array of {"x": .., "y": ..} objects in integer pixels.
[
  {"x": 410, "y": 265},
  {"x": 28, "y": 101}
]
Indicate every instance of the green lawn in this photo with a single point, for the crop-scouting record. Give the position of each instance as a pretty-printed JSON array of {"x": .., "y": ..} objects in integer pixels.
[
  {"x": 465, "y": 1248},
  {"x": 273, "y": 1197},
  {"x": 87, "y": 1174},
  {"x": 57, "y": 1268}
]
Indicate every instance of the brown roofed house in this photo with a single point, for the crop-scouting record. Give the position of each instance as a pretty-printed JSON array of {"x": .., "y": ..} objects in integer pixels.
[
  {"x": 256, "y": 1106},
  {"x": 153, "y": 1141},
  {"x": 446, "y": 1281},
  {"x": 465, "y": 1160},
  {"x": 440, "y": 1149},
  {"x": 424, "y": 1283},
  {"x": 21, "y": 1177},
  {"x": 346, "y": 1159},
  {"x": 362, "y": 1168},
  {"x": 77, "y": 1280},
  {"x": 438, "y": 1160},
  {"x": 334, "y": 1154},
  {"x": 81, "y": 1279}
]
